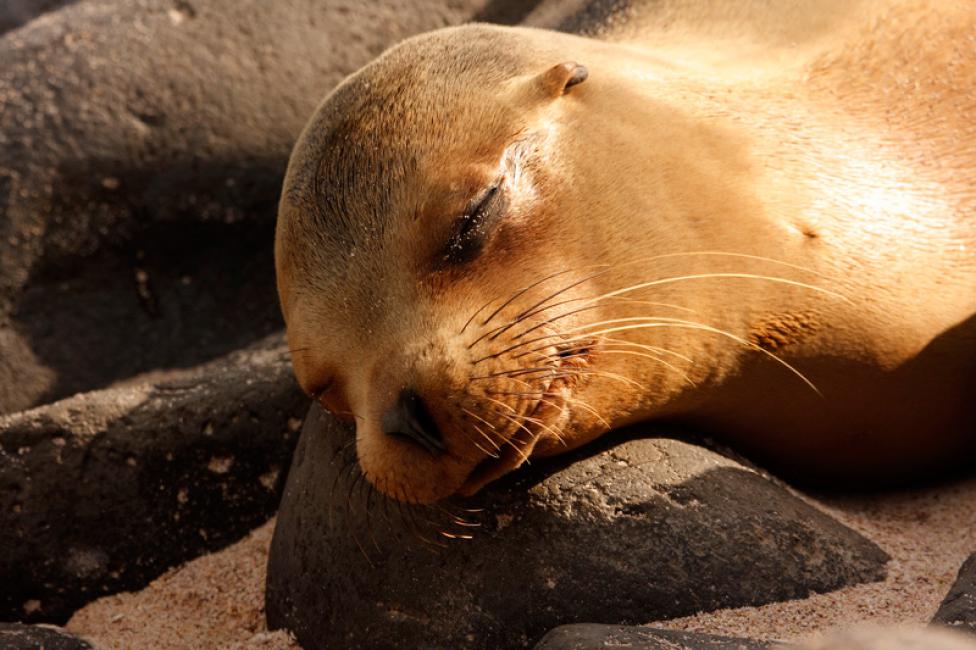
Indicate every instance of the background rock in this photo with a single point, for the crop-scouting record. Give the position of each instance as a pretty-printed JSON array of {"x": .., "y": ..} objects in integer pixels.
[
  {"x": 16, "y": 636},
  {"x": 104, "y": 491},
  {"x": 642, "y": 530},
  {"x": 585, "y": 636},
  {"x": 142, "y": 146},
  {"x": 958, "y": 609}
]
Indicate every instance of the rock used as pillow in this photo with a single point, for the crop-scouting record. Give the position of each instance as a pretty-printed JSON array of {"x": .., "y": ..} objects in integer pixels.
[{"x": 642, "y": 529}]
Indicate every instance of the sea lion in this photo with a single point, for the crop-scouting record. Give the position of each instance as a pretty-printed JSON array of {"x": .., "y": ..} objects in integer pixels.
[{"x": 498, "y": 243}]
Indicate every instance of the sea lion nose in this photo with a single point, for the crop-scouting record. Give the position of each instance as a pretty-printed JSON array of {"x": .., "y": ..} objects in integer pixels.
[{"x": 409, "y": 418}]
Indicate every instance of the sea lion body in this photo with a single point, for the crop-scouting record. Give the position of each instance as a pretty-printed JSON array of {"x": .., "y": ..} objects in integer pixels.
[{"x": 506, "y": 241}]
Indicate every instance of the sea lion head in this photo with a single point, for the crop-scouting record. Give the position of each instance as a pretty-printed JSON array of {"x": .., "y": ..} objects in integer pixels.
[{"x": 436, "y": 249}]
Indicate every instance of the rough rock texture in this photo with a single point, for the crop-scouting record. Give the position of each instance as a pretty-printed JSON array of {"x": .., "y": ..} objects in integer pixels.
[
  {"x": 16, "y": 636},
  {"x": 142, "y": 146},
  {"x": 644, "y": 529},
  {"x": 585, "y": 636},
  {"x": 959, "y": 607},
  {"x": 104, "y": 491}
]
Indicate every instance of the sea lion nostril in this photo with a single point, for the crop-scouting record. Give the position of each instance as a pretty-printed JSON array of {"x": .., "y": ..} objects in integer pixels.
[{"x": 410, "y": 418}]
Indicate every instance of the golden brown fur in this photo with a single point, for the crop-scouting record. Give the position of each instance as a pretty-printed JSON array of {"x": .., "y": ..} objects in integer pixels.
[{"x": 769, "y": 237}]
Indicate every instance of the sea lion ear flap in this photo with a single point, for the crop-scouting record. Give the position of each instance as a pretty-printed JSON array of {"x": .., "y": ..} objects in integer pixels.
[{"x": 558, "y": 79}]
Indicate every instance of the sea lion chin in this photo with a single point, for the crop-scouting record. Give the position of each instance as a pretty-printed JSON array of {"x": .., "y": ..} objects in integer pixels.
[{"x": 498, "y": 243}]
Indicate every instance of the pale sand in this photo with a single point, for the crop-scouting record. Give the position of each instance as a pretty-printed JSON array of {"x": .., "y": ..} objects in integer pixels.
[
  {"x": 211, "y": 603},
  {"x": 216, "y": 601}
]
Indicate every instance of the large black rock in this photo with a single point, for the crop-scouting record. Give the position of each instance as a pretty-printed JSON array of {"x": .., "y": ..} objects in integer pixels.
[
  {"x": 16, "y": 636},
  {"x": 958, "y": 608},
  {"x": 643, "y": 529},
  {"x": 104, "y": 491}
]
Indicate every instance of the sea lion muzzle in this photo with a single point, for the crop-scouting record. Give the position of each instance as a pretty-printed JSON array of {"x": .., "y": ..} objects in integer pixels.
[{"x": 409, "y": 418}]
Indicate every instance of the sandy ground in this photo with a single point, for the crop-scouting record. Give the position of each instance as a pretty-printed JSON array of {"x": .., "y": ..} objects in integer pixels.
[
  {"x": 217, "y": 601},
  {"x": 213, "y": 602}
]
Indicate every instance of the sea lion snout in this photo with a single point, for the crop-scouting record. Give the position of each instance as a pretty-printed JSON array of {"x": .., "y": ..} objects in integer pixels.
[{"x": 410, "y": 418}]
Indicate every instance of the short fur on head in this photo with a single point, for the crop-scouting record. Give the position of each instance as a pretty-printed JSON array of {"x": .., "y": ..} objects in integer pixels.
[
  {"x": 372, "y": 196},
  {"x": 502, "y": 242}
]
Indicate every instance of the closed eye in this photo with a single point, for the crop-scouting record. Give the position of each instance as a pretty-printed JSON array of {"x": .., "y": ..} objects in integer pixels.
[{"x": 474, "y": 227}]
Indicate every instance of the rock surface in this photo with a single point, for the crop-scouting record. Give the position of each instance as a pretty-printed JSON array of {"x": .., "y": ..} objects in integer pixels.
[
  {"x": 104, "y": 491},
  {"x": 642, "y": 530},
  {"x": 584, "y": 636},
  {"x": 959, "y": 607},
  {"x": 16, "y": 636}
]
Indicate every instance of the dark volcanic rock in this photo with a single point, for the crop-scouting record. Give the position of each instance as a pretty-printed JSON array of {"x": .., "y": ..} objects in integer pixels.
[
  {"x": 142, "y": 146},
  {"x": 642, "y": 530},
  {"x": 16, "y": 636},
  {"x": 104, "y": 491},
  {"x": 586, "y": 636},
  {"x": 958, "y": 609}
]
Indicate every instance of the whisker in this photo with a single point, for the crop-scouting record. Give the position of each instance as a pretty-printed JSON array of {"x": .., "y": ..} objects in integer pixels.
[
  {"x": 645, "y": 355},
  {"x": 522, "y": 292},
  {"x": 526, "y": 313},
  {"x": 591, "y": 300},
  {"x": 710, "y": 276},
  {"x": 706, "y": 253},
  {"x": 572, "y": 372},
  {"x": 514, "y": 372},
  {"x": 475, "y": 415},
  {"x": 516, "y": 346},
  {"x": 578, "y": 401},
  {"x": 708, "y": 328},
  {"x": 488, "y": 438}
]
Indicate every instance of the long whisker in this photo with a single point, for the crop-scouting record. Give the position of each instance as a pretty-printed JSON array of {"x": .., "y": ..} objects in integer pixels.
[
  {"x": 708, "y": 328},
  {"x": 645, "y": 355},
  {"x": 517, "y": 346},
  {"x": 512, "y": 372},
  {"x": 596, "y": 414},
  {"x": 709, "y": 276},
  {"x": 526, "y": 313},
  {"x": 476, "y": 416},
  {"x": 706, "y": 253},
  {"x": 588, "y": 307},
  {"x": 572, "y": 372},
  {"x": 518, "y": 294},
  {"x": 490, "y": 441},
  {"x": 520, "y": 452}
]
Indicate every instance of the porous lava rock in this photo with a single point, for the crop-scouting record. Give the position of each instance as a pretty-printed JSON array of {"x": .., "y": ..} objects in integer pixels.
[
  {"x": 17, "y": 636},
  {"x": 104, "y": 491},
  {"x": 958, "y": 608},
  {"x": 634, "y": 530}
]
